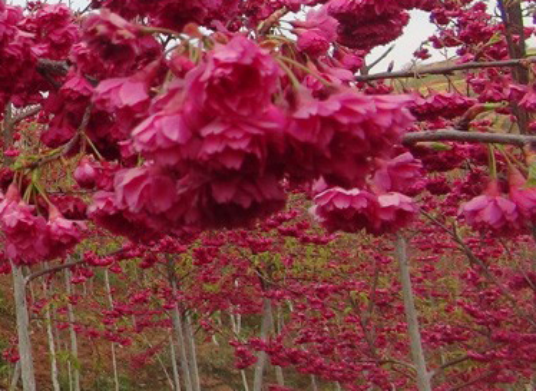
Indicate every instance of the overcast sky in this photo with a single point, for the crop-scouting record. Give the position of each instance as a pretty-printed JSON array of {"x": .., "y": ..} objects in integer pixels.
[{"x": 418, "y": 30}]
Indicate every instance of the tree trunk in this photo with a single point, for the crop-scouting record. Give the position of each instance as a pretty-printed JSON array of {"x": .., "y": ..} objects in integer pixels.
[
  {"x": 314, "y": 386},
  {"x": 111, "y": 305},
  {"x": 192, "y": 354},
  {"x": 423, "y": 378},
  {"x": 23, "y": 330},
  {"x": 72, "y": 333},
  {"x": 15, "y": 378},
  {"x": 512, "y": 17},
  {"x": 262, "y": 361},
  {"x": 179, "y": 333},
  {"x": 51, "y": 344},
  {"x": 174, "y": 366}
]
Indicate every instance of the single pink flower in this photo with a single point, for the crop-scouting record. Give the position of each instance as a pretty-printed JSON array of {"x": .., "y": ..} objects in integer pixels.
[
  {"x": 398, "y": 174},
  {"x": 523, "y": 196},
  {"x": 238, "y": 78},
  {"x": 491, "y": 210},
  {"x": 145, "y": 189},
  {"x": 345, "y": 210}
]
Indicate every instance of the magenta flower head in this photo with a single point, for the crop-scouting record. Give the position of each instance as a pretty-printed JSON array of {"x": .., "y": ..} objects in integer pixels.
[
  {"x": 345, "y": 210},
  {"x": 491, "y": 211},
  {"x": 25, "y": 233},
  {"x": 316, "y": 33},
  {"x": 144, "y": 189},
  {"x": 355, "y": 209},
  {"x": 118, "y": 42},
  {"x": 529, "y": 100},
  {"x": 394, "y": 211},
  {"x": 523, "y": 196},
  {"x": 62, "y": 234},
  {"x": 238, "y": 78},
  {"x": 85, "y": 174},
  {"x": 398, "y": 174}
]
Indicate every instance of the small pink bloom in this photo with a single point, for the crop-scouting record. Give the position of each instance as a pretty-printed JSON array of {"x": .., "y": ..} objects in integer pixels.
[
  {"x": 144, "y": 189},
  {"x": 394, "y": 211},
  {"x": 346, "y": 210},
  {"x": 491, "y": 210},
  {"x": 85, "y": 174},
  {"x": 237, "y": 78},
  {"x": 398, "y": 174},
  {"x": 523, "y": 196},
  {"x": 161, "y": 136},
  {"x": 62, "y": 234}
]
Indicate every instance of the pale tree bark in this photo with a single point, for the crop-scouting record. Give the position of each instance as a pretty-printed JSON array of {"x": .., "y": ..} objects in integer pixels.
[
  {"x": 314, "y": 386},
  {"x": 15, "y": 378},
  {"x": 236, "y": 330},
  {"x": 23, "y": 330},
  {"x": 423, "y": 377},
  {"x": 72, "y": 333},
  {"x": 51, "y": 343},
  {"x": 262, "y": 357},
  {"x": 512, "y": 17},
  {"x": 179, "y": 332},
  {"x": 192, "y": 353},
  {"x": 174, "y": 365},
  {"x": 112, "y": 347},
  {"x": 277, "y": 327},
  {"x": 173, "y": 384}
]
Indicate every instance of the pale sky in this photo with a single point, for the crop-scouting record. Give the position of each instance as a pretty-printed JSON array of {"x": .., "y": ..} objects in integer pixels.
[{"x": 417, "y": 31}]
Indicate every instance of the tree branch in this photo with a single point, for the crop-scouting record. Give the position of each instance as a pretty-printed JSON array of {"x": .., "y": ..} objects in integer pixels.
[
  {"x": 53, "y": 269},
  {"x": 24, "y": 113},
  {"x": 520, "y": 62},
  {"x": 381, "y": 58},
  {"x": 456, "y": 135},
  {"x": 58, "y": 268},
  {"x": 68, "y": 147}
]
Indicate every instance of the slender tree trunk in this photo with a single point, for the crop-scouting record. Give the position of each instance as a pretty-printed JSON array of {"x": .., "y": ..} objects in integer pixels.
[
  {"x": 23, "y": 330},
  {"x": 174, "y": 366},
  {"x": 512, "y": 17},
  {"x": 179, "y": 333},
  {"x": 236, "y": 331},
  {"x": 314, "y": 386},
  {"x": 15, "y": 378},
  {"x": 277, "y": 327},
  {"x": 262, "y": 361},
  {"x": 192, "y": 353},
  {"x": 423, "y": 378},
  {"x": 51, "y": 344},
  {"x": 111, "y": 305},
  {"x": 244, "y": 380},
  {"x": 72, "y": 333},
  {"x": 173, "y": 386}
]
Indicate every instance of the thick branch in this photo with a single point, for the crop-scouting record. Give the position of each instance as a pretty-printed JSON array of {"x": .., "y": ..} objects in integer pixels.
[
  {"x": 25, "y": 113},
  {"x": 447, "y": 69},
  {"x": 456, "y": 135}
]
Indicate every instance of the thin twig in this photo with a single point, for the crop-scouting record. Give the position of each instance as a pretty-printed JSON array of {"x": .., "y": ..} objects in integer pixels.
[
  {"x": 447, "y": 69},
  {"x": 456, "y": 135}
]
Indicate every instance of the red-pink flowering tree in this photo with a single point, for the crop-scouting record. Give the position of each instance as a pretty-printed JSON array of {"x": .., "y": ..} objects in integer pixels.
[{"x": 157, "y": 124}]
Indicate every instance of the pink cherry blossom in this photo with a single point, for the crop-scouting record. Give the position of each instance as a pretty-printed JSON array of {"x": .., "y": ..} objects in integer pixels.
[
  {"x": 238, "y": 78},
  {"x": 491, "y": 210}
]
